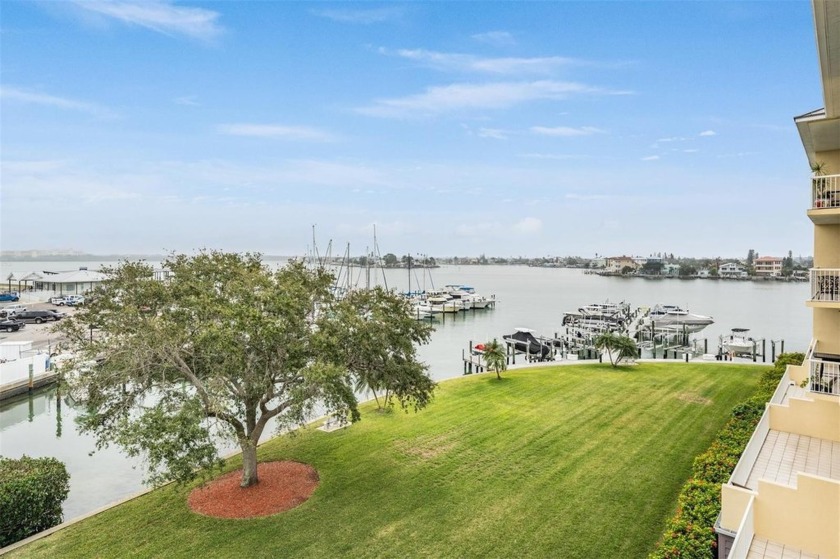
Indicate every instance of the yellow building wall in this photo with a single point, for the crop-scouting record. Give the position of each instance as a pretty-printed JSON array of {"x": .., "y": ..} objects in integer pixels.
[
  {"x": 827, "y": 330},
  {"x": 798, "y": 373},
  {"x": 831, "y": 159},
  {"x": 807, "y": 517},
  {"x": 827, "y": 246},
  {"x": 818, "y": 418},
  {"x": 733, "y": 505}
]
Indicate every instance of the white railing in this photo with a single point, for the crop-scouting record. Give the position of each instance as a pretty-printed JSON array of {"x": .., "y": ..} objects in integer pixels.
[
  {"x": 746, "y": 532},
  {"x": 745, "y": 464},
  {"x": 781, "y": 389},
  {"x": 825, "y": 284},
  {"x": 825, "y": 192},
  {"x": 824, "y": 377}
]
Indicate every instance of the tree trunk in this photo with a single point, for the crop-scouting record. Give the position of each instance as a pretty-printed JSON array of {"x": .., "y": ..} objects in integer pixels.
[{"x": 249, "y": 464}]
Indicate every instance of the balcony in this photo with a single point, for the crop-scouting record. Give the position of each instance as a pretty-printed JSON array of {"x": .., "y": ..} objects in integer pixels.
[
  {"x": 825, "y": 287},
  {"x": 825, "y": 200},
  {"x": 824, "y": 377}
]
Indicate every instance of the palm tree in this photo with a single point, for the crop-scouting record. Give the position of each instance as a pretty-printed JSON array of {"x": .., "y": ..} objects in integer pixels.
[
  {"x": 618, "y": 347},
  {"x": 495, "y": 357}
]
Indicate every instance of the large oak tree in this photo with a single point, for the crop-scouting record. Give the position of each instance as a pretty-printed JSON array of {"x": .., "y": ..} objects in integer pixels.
[{"x": 224, "y": 346}]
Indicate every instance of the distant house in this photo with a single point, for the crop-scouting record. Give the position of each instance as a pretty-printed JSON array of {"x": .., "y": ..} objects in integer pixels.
[
  {"x": 704, "y": 273},
  {"x": 670, "y": 269},
  {"x": 598, "y": 263},
  {"x": 768, "y": 266},
  {"x": 618, "y": 263},
  {"x": 732, "y": 270},
  {"x": 76, "y": 282}
]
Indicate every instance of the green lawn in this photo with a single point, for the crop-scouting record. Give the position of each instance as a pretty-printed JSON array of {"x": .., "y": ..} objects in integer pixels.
[{"x": 573, "y": 461}]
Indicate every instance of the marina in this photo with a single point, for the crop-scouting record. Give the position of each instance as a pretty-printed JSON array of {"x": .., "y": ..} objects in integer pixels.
[{"x": 42, "y": 423}]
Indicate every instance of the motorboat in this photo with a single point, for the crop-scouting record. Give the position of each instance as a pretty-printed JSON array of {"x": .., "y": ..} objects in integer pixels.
[
  {"x": 444, "y": 304},
  {"x": 672, "y": 317},
  {"x": 523, "y": 340},
  {"x": 475, "y": 301},
  {"x": 458, "y": 291},
  {"x": 738, "y": 342}
]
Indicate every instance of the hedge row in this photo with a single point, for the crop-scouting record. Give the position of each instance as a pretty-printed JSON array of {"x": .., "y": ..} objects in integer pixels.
[
  {"x": 31, "y": 493},
  {"x": 690, "y": 533}
]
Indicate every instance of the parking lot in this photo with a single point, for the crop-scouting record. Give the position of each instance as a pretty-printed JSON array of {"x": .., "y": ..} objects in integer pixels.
[{"x": 41, "y": 335}]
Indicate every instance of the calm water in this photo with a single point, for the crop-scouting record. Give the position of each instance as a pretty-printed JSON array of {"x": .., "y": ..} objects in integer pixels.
[{"x": 536, "y": 298}]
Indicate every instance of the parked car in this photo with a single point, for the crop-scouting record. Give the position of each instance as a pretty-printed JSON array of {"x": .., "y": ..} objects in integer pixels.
[
  {"x": 9, "y": 296},
  {"x": 74, "y": 300},
  {"x": 10, "y": 325},
  {"x": 38, "y": 317},
  {"x": 57, "y": 314},
  {"x": 12, "y": 310},
  {"x": 60, "y": 301}
]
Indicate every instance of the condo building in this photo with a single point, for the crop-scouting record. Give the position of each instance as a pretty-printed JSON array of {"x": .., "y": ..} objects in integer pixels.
[{"x": 783, "y": 498}]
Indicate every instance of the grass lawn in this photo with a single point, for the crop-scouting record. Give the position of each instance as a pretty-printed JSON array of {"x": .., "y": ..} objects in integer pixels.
[{"x": 575, "y": 462}]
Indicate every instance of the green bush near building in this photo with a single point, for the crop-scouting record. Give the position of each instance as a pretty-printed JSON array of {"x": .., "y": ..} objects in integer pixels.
[{"x": 31, "y": 493}]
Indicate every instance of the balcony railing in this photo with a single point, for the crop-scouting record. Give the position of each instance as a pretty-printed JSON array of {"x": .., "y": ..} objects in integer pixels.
[
  {"x": 825, "y": 192},
  {"x": 825, "y": 376},
  {"x": 825, "y": 284}
]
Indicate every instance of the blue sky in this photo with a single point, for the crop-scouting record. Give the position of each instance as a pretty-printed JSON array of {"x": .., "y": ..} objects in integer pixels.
[{"x": 457, "y": 128}]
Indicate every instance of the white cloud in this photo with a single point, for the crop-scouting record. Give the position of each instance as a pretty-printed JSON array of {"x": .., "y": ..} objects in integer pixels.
[
  {"x": 690, "y": 150},
  {"x": 557, "y": 156},
  {"x": 494, "y": 133},
  {"x": 529, "y": 225},
  {"x": 294, "y": 133},
  {"x": 584, "y": 197},
  {"x": 650, "y": 158},
  {"x": 35, "y": 98},
  {"x": 708, "y": 133},
  {"x": 362, "y": 17},
  {"x": 565, "y": 131},
  {"x": 500, "y": 95},
  {"x": 160, "y": 16},
  {"x": 455, "y": 62},
  {"x": 496, "y": 38},
  {"x": 187, "y": 100},
  {"x": 672, "y": 139}
]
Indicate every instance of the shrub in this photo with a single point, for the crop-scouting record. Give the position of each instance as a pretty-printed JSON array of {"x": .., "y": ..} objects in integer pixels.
[
  {"x": 31, "y": 493},
  {"x": 690, "y": 533}
]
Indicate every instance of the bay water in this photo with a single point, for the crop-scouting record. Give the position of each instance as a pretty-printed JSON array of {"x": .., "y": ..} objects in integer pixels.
[{"x": 43, "y": 423}]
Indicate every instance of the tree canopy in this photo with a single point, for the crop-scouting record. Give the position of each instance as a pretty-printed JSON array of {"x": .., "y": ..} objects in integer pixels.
[
  {"x": 220, "y": 349},
  {"x": 495, "y": 357},
  {"x": 617, "y": 347}
]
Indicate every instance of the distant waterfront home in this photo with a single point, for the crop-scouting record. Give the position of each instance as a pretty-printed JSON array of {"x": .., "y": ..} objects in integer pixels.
[
  {"x": 618, "y": 263},
  {"x": 670, "y": 269},
  {"x": 76, "y": 282},
  {"x": 768, "y": 266},
  {"x": 598, "y": 263},
  {"x": 732, "y": 270}
]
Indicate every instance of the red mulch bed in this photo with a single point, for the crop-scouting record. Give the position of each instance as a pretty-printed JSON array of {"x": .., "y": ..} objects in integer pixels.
[{"x": 282, "y": 486}]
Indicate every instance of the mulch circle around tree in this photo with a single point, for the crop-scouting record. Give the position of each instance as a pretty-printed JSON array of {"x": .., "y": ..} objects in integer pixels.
[{"x": 282, "y": 486}]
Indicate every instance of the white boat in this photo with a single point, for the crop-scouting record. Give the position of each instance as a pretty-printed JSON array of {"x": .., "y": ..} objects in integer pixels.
[
  {"x": 421, "y": 310},
  {"x": 738, "y": 342},
  {"x": 443, "y": 304},
  {"x": 672, "y": 317},
  {"x": 475, "y": 301},
  {"x": 458, "y": 291}
]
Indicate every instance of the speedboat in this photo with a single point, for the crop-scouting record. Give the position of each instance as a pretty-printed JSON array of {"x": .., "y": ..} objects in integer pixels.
[
  {"x": 523, "y": 340},
  {"x": 738, "y": 342},
  {"x": 672, "y": 317}
]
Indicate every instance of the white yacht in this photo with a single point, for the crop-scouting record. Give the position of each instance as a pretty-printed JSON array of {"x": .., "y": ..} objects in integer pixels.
[
  {"x": 738, "y": 342},
  {"x": 672, "y": 317}
]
